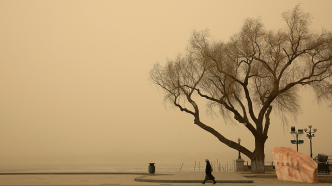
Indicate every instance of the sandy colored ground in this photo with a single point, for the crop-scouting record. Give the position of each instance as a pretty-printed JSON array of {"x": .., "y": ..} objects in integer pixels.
[
  {"x": 274, "y": 179},
  {"x": 70, "y": 180},
  {"x": 121, "y": 179}
]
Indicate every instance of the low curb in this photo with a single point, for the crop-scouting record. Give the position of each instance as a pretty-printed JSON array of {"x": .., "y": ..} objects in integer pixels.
[{"x": 142, "y": 179}]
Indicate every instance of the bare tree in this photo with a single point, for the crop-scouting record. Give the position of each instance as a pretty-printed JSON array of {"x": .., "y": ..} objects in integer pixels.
[{"x": 251, "y": 74}]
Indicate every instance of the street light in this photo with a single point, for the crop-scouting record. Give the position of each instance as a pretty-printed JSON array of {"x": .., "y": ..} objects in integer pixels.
[
  {"x": 297, "y": 133},
  {"x": 239, "y": 140},
  {"x": 310, "y": 135}
]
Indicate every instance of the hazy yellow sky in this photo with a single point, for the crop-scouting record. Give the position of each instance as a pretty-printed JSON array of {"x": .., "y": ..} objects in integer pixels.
[{"x": 74, "y": 80}]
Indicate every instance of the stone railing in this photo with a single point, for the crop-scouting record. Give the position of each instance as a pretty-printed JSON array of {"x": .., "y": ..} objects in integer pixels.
[{"x": 269, "y": 166}]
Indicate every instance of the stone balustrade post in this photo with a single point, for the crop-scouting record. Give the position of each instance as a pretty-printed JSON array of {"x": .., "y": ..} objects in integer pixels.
[{"x": 239, "y": 165}]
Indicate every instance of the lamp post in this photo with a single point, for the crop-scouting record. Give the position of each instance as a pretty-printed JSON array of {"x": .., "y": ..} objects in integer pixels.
[
  {"x": 239, "y": 161},
  {"x": 239, "y": 140},
  {"x": 310, "y": 135},
  {"x": 297, "y": 134}
]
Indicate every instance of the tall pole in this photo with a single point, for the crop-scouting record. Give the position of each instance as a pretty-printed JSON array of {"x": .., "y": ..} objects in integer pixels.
[
  {"x": 297, "y": 142},
  {"x": 239, "y": 140},
  {"x": 310, "y": 146},
  {"x": 310, "y": 135},
  {"x": 297, "y": 134},
  {"x": 217, "y": 164}
]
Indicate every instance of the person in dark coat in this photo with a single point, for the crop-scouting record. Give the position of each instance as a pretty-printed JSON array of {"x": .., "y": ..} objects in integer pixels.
[{"x": 208, "y": 171}]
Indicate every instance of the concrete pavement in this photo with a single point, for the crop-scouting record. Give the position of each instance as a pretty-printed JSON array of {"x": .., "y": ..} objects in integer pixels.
[
  {"x": 139, "y": 179},
  {"x": 194, "y": 177}
]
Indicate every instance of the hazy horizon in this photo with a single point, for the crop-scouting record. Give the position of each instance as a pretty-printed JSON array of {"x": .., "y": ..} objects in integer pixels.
[{"x": 75, "y": 88}]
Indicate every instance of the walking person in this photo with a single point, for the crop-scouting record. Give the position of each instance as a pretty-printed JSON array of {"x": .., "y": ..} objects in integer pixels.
[{"x": 208, "y": 171}]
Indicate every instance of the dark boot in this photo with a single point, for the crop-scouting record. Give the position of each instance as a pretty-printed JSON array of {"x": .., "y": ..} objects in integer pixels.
[
  {"x": 214, "y": 182},
  {"x": 203, "y": 182}
]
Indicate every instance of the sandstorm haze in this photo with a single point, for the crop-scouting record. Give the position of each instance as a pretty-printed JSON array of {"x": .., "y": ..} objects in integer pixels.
[{"x": 75, "y": 90}]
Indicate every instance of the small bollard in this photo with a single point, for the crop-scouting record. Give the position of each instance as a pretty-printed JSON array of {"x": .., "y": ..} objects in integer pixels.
[{"x": 152, "y": 168}]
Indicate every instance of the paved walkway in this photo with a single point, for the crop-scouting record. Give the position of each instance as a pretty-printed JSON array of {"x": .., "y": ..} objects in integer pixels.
[
  {"x": 139, "y": 179},
  {"x": 194, "y": 177}
]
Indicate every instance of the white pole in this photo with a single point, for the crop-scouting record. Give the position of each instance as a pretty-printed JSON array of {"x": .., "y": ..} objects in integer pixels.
[
  {"x": 195, "y": 166},
  {"x": 214, "y": 166}
]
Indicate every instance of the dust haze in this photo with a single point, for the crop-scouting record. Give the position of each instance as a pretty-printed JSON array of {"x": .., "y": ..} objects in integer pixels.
[{"x": 75, "y": 90}]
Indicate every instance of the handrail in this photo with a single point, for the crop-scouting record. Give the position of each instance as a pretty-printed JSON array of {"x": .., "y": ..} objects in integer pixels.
[
  {"x": 265, "y": 163},
  {"x": 329, "y": 161}
]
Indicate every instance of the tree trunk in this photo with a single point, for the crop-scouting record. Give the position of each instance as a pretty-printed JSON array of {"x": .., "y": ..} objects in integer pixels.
[
  {"x": 257, "y": 162},
  {"x": 257, "y": 166}
]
